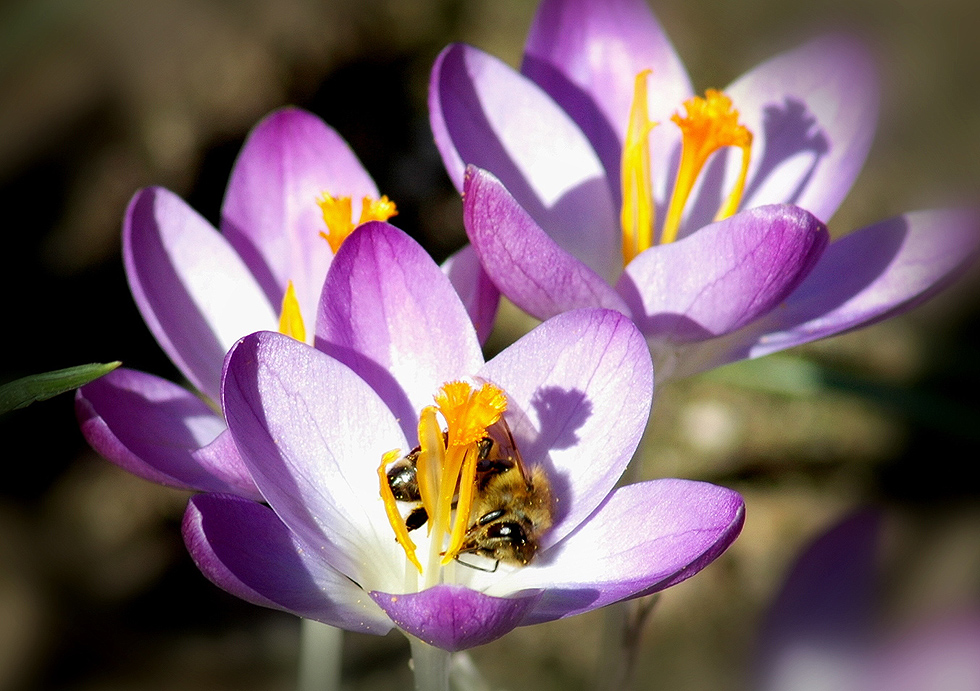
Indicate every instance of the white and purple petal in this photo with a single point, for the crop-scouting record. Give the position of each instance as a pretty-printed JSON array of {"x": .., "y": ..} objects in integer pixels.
[
  {"x": 393, "y": 316},
  {"x": 813, "y": 113},
  {"x": 527, "y": 265},
  {"x": 162, "y": 432},
  {"x": 243, "y": 547},
  {"x": 484, "y": 113},
  {"x": 724, "y": 276},
  {"x": 579, "y": 388},
  {"x": 195, "y": 293},
  {"x": 455, "y": 617},
  {"x": 645, "y": 537},
  {"x": 312, "y": 433},
  {"x": 586, "y": 54},
  {"x": 867, "y": 276},
  {"x": 270, "y": 212}
]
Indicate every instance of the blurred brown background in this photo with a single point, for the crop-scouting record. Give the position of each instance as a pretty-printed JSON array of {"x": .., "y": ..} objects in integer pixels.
[{"x": 100, "y": 97}]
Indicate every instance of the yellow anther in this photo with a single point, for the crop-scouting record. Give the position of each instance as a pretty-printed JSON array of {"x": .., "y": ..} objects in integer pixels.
[
  {"x": 338, "y": 217},
  {"x": 638, "y": 212},
  {"x": 290, "y": 319},
  {"x": 710, "y": 124},
  {"x": 391, "y": 509}
]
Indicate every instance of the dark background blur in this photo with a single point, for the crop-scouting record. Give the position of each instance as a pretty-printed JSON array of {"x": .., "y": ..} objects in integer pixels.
[{"x": 100, "y": 97}]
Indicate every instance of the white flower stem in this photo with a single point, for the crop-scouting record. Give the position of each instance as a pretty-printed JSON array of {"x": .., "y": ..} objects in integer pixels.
[
  {"x": 430, "y": 666},
  {"x": 319, "y": 656}
]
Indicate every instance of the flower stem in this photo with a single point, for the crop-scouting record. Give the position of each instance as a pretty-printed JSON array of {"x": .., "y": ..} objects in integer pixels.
[
  {"x": 319, "y": 656},
  {"x": 430, "y": 666}
]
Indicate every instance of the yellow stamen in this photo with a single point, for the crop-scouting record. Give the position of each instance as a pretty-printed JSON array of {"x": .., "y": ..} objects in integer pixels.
[
  {"x": 391, "y": 509},
  {"x": 290, "y": 319},
  {"x": 638, "y": 212},
  {"x": 468, "y": 414},
  {"x": 445, "y": 468},
  {"x": 710, "y": 124},
  {"x": 338, "y": 217}
]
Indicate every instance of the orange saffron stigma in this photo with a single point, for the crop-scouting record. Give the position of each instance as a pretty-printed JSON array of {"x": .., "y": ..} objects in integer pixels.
[
  {"x": 710, "y": 124},
  {"x": 338, "y": 216}
]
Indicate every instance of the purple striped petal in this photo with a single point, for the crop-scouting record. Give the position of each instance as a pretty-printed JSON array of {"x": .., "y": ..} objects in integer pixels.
[
  {"x": 270, "y": 214},
  {"x": 586, "y": 54},
  {"x": 644, "y": 538},
  {"x": 479, "y": 295},
  {"x": 870, "y": 275},
  {"x": 162, "y": 432},
  {"x": 579, "y": 387},
  {"x": 454, "y": 617},
  {"x": 483, "y": 113},
  {"x": 813, "y": 112},
  {"x": 195, "y": 293},
  {"x": 724, "y": 276},
  {"x": 529, "y": 267},
  {"x": 390, "y": 313},
  {"x": 244, "y": 548},
  {"x": 312, "y": 433}
]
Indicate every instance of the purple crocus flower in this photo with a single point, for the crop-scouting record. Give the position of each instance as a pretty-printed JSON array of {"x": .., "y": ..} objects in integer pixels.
[
  {"x": 286, "y": 210},
  {"x": 318, "y": 427},
  {"x": 593, "y": 182},
  {"x": 823, "y": 631}
]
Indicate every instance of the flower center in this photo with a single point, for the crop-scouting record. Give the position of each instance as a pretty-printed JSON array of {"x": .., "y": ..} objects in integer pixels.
[
  {"x": 339, "y": 218},
  {"x": 710, "y": 124},
  {"x": 445, "y": 470}
]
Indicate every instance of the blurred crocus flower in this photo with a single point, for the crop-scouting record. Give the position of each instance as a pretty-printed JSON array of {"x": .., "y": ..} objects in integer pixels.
[
  {"x": 597, "y": 178},
  {"x": 823, "y": 631},
  {"x": 295, "y": 193},
  {"x": 398, "y": 365}
]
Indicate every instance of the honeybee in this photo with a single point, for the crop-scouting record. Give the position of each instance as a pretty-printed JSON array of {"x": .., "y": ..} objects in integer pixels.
[{"x": 511, "y": 506}]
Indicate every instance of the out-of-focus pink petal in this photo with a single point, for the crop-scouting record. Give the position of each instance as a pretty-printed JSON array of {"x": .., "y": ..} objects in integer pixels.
[
  {"x": 270, "y": 214},
  {"x": 195, "y": 293},
  {"x": 528, "y": 266},
  {"x": 162, "y": 432},
  {"x": 243, "y": 547}
]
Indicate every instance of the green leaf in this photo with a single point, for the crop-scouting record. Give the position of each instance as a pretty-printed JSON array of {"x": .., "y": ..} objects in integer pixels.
[{"x": 38, "y": 387}]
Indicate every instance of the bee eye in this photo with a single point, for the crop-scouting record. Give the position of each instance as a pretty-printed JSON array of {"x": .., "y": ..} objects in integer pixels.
[
  {"x": 509, "y": 531},
  {"x": 491, "y": 517}
]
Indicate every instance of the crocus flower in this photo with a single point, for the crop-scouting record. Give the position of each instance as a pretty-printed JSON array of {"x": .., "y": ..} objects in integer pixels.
[
  {"x": 398, "y": 365},
  {"x": 287, "y": 209},
  {"x": 599, "y": 179},
  {"x": 822, "y": 631}
]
